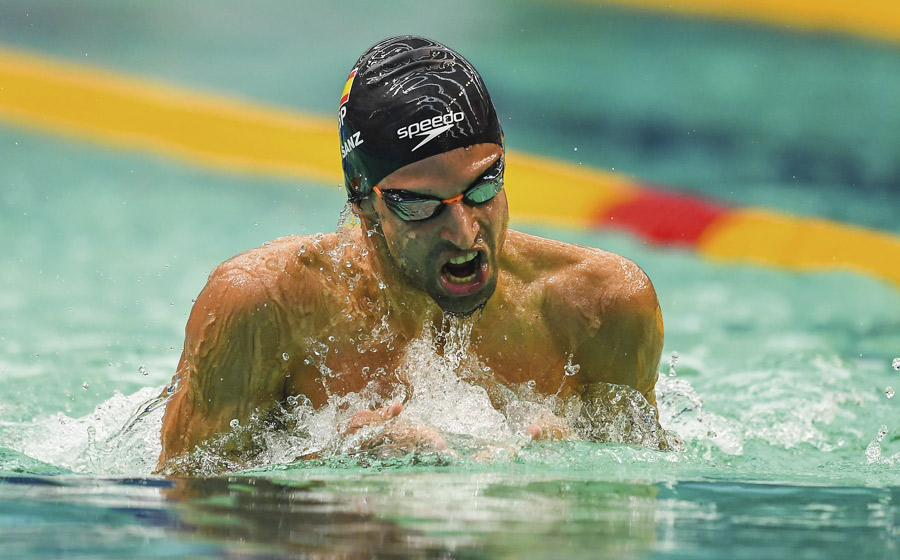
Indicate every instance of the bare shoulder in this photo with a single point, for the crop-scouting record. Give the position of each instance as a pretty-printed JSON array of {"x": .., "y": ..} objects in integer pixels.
[
  {"x": 587, "y": 281},
  {"x": 274, "y": 277},
  {"x": 602, "y": 306}
]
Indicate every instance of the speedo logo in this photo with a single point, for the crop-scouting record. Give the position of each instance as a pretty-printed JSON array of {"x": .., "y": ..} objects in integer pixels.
[{"x": 429, "y": 129}]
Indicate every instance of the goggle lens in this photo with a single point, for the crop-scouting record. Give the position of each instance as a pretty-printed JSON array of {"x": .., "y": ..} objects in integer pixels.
[{"x": 411, "y": 207}]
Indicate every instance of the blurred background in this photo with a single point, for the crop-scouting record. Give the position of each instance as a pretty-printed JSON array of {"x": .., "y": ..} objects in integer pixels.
[{"x": 734, "y": 108}]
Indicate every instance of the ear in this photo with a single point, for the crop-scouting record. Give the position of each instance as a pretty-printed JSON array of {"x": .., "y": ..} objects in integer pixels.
[
  {"x": 363, "y": 207},
  {"x": 365, "y": 211}
]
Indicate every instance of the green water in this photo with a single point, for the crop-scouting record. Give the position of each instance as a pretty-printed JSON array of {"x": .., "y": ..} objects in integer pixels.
[{"x": 779, "y": 385}]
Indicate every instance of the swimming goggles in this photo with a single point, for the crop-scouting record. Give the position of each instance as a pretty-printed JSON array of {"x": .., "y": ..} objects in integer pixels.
[{"x": 412, "y": 207}]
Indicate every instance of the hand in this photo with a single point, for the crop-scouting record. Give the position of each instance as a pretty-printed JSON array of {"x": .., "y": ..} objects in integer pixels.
[
  {"x": 365, "y": 418},
  {"x": 549, "y": 428},
  {"x": 398, "y": 434},
  {"x": 412, "y": 437}
]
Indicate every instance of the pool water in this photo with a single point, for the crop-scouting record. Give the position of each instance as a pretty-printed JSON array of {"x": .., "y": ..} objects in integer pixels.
[{"x": 777, "y": 382}]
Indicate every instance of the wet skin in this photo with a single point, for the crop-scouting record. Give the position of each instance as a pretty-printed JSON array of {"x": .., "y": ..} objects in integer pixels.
[{"x": 271, "y": 320}]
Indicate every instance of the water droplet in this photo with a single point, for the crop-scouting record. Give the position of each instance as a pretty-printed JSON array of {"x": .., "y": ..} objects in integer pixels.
[
  {"x": 234, "y": 423},
  {"x": 531, "y": 384},
  {"x": 142, "y": 370},
  {"x": 85, "y": 385},
  {"x": 896, "y": 364},
  {"x": 889, "y": 392},
  {"x": 570, "y": 368},
  {"x": 330, "y": 339},
  {"x": 292, "y": 400},
  {"x": 673, "y": 361},
  {"x": 285, "y": 356}
]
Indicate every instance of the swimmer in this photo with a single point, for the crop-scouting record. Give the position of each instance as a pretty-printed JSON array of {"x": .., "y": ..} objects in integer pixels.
[{"x": 423, "y": 160}]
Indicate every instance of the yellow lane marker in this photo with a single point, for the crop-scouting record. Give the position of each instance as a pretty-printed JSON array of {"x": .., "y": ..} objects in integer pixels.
[
  {"x": 561, "y": 193},
  {"x": 105, "y": 107},
  {"x": 875, "y": 18},
  {"x": 767, "y": 237}
]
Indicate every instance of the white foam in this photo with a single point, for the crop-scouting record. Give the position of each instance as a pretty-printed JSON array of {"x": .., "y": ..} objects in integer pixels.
[{"x": 95, "y": 443}]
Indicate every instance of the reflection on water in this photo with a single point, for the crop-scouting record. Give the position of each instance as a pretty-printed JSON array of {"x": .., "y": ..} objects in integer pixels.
[
  {"x": 302, "y": 515},
  {"x": 405, "y": 514},
  {"x": 517, "y": 511}
]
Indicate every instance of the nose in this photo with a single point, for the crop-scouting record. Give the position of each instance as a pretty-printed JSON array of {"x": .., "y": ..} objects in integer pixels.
[{"x": 460, "y": 226}]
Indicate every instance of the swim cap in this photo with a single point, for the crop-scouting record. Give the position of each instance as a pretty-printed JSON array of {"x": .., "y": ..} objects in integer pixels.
[{"x": 409, "y": 98}]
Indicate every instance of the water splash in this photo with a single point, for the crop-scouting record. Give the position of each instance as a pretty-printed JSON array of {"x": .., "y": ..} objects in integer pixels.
[
  {"x": 99, "y": 442},
  {"x": 896, "y": 364},
  {"x": 681, "y": 411},
  {"x": 619, "y": 414},
  {"x": 448, "y": 395},
  {"x": 456, "y": 337},
  {"x": 873, "y": 451},
  {"x": 444, "y": 386}
]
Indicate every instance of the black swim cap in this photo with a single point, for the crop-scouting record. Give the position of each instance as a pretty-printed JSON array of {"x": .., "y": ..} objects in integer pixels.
[{"x": 409, "y": 98}]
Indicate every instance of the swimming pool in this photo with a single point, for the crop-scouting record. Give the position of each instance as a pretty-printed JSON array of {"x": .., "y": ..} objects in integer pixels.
[{"x": 779, "y": 386}]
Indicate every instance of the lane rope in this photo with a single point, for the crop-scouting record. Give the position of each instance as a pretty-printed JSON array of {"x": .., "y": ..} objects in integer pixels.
[
  {"x": 878, "y": 19},
  {"x": 237, "y": 136}
]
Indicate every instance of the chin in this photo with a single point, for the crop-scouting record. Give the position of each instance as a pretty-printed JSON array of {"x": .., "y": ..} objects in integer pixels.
[
  {"x": 460, "y": 310},
  {"x": 464, "y": 306}
]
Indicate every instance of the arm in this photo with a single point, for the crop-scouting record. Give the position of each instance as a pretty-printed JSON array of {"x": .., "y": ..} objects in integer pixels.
[
  {"x": 617, "y": 334},
  {"x": 229, "y": 366},
  {"x": 626, "y": 347}
]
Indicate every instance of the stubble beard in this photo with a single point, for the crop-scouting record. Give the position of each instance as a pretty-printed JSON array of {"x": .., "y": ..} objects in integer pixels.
[
  {"x": 414, "y": 279},
  {"x": 450, "y": 305}
]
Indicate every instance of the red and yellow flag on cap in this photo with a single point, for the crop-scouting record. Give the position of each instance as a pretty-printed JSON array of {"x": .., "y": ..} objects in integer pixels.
[{"x": 345, "y": 95}]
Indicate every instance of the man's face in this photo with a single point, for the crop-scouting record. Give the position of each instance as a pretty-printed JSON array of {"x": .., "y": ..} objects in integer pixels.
[{"x": 453, "y": 256}]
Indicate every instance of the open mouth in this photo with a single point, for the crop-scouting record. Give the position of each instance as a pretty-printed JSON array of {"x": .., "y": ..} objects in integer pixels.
[{"x": 462, "y": 269}]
